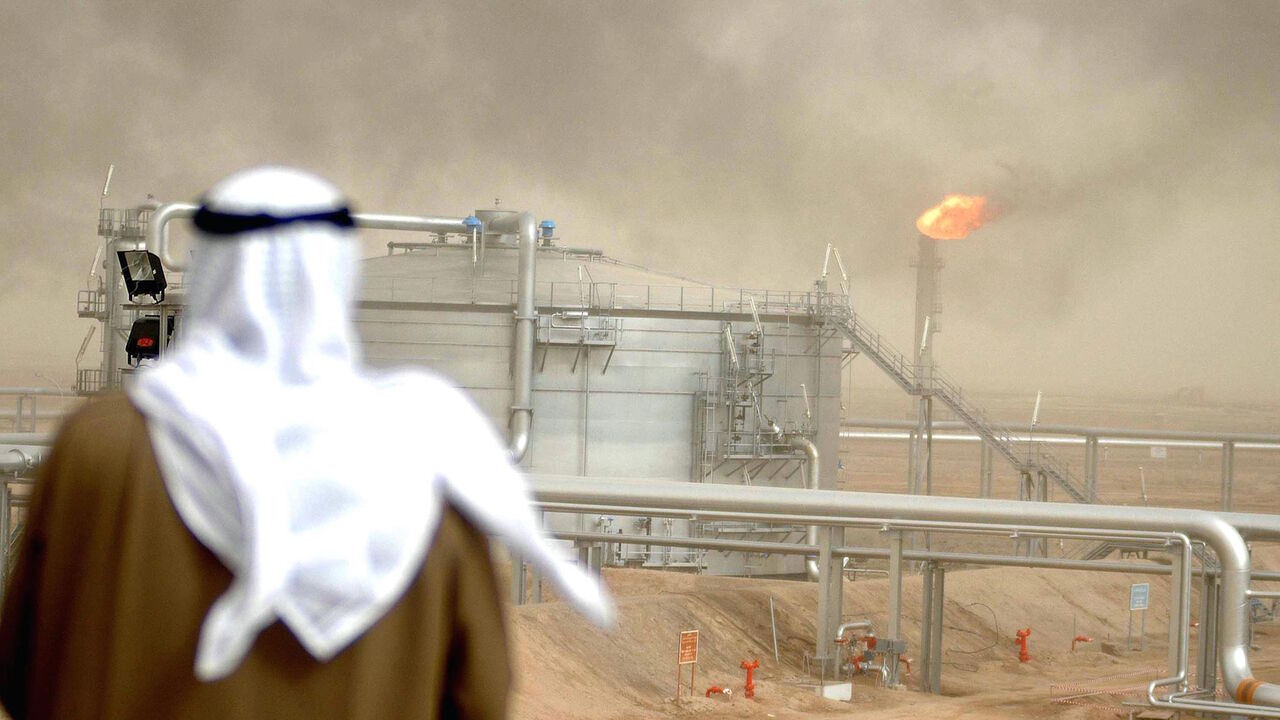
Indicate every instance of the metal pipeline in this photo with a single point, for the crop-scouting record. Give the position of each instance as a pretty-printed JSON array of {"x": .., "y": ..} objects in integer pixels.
[
  {"x": 523, "y": 224},
  {"x": 158, "y": 232},
  {"x": 811, "y": 482},
  {"x": 853, "y": 625},
  {"x": 158, "y": 236},
  {"x": 868, "y": 553},
  {"x": 526, "y": 226},
  {"x": 41, "y": 439},
  {"x": 17, "y": 461},
  {"x": 1216, "y": 532},
  {"x": 37, "y": 391}
]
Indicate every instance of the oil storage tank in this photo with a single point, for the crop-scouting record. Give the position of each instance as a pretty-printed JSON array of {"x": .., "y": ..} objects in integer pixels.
[{"x": 636, "y": 373}]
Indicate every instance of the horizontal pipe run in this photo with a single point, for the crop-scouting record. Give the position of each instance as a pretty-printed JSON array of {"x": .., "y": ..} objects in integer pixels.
[
  {"x": 411, "y": 223},
  {"x": 37, "y": 391},
  {"x": 1217, "y": 533},
  {"x": 41, "y": 439},
  {"x": 1264, "y": 527},
  {"x": 56, "y": 414},
  {"x": 158, "y": 235},
  {"x": 1053, "y": 440},
  {"x": 1216, "y": 438},
  {"x": 864, "y": 553}
]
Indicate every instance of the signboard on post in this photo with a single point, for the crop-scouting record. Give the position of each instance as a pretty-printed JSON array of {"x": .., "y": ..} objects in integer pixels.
[
  {"x": 688, "y": 647},
  {"x": 1139, "y": 599},
  {"x": 1139, "y": 594},
  {"x": 686, "y": 655}
]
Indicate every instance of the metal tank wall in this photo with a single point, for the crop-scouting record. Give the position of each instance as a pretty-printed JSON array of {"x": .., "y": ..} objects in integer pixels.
[{"x": 628, "y": 409}]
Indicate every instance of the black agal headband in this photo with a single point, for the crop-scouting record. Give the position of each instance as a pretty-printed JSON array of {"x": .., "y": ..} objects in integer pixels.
[{"x": 221, "y": 223}]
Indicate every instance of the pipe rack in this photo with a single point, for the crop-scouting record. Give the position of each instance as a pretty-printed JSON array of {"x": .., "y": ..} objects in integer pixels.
[{"x": 792, "y": 504}]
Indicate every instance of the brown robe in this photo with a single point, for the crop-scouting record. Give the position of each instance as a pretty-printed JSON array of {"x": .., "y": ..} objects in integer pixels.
[{"x": 110, "y": 589}]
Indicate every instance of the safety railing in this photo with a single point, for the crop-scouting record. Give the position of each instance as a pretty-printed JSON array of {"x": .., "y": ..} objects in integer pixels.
[{"x": 931, "y": 380}]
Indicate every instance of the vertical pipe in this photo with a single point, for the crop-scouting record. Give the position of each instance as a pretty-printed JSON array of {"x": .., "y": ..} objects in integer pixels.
[
  {"x": 1228, "y": 473},
  {"x": 1091, "y": 466},
  {"x": 1176, "y": 599},
  {"x": 895, "y": 598},
  {"x": 822, "y": 644},
  {"x": 1214, "y": 631},
  {"x": 830, "y": 593},
  {"x": 985, "y": 473},
  {"x": 835, "y": 589},
  {"x": 813, "y": 476},
  {"x": 521, "y": 422},
  {"x": 912, "y": 454},
  {"x": 5, "y": 500},
  {"x": 1204, "y": 656},
  {"x": 923, "y": 433},
  {"x": 926, "y": 625},
  {"x": 935, "y": 619},
  {"x": 1042, "y": 495}
]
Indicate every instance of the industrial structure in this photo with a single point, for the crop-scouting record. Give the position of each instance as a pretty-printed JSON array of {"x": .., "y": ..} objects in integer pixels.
[{"x": 721, "y": 409}]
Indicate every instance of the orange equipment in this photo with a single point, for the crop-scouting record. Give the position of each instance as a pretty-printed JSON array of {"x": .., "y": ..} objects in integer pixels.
[
  {"x": 717, "y": 690},
  {"x": 1021, "y": 638},
  {"x": 1080, "y": 638},
  {"x": 751, "y": 685}
]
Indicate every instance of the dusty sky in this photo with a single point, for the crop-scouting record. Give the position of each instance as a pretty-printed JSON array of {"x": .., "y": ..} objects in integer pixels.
[{"x": 1134, "y": 148}]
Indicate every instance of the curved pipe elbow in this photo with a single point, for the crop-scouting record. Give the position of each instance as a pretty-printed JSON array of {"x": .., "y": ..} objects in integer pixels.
[
  {"x": 854, "y": 625},
  {"x": 811, "y": 482},
  {"x": 158, "y": 236}
]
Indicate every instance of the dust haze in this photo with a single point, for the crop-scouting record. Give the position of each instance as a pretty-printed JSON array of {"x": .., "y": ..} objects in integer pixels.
[{"x": 1132, "y": 149}]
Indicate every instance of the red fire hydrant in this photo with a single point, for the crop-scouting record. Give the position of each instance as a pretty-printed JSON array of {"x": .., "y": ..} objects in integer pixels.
[
  {"x": 1079, "y": 639},
  {"x": 1021, "y": 638},
  {"x": 751, "y": 685}
]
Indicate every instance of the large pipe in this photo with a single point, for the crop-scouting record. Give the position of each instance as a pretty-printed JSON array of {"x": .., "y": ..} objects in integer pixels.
[
  {"x": 16, "y": 461},
  {"x": 874, "y": 553},
  {"x": 158, "y": 232},
  {"x": 812, "y": 479},
  {"x": 853, "y": 625},
  {"x": 1213, "y": 530},
  {"x": 526, "y": 226},
  {"x": 42, "y": 439},
  {"x": 1216, "y": 438},
  {"x": 523, "y": 224},
  {"x": 37, "y": 391},
  {"x": 158, "y": 236}
]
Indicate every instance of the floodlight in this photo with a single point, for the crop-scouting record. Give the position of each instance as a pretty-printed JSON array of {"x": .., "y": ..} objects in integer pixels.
[{"x": 143, "y": 274}]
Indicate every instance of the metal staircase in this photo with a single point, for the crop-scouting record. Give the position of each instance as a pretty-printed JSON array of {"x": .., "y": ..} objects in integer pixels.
[{"x": 866, "y": 340}]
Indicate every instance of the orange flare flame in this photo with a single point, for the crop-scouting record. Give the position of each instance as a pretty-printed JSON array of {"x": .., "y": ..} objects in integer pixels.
[{"x": 955, "y": 217}]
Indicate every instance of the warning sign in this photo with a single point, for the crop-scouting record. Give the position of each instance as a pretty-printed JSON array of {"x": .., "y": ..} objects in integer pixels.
[
  {"x": 688, "y": 647},
  {"x": 1139, "y": 594}
]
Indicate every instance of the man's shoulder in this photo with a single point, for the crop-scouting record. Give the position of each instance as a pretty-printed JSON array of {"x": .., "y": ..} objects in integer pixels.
[{"x": 104, "y": 424}]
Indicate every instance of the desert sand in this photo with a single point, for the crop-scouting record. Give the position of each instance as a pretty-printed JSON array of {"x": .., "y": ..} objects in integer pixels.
[{"x": 568, "y": 670}]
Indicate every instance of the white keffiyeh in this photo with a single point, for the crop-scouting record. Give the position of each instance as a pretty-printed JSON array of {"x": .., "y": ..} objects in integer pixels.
[{"x": 319, "y": 484}]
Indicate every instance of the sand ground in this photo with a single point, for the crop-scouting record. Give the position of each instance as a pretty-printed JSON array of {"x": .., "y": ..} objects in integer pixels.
[{"x": 569, "y": 670}]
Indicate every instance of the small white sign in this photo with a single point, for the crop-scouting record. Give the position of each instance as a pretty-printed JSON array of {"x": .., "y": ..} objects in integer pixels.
[
  {"x": 1139, "y": 594},
  {"x": 1159, "y": 452}
]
